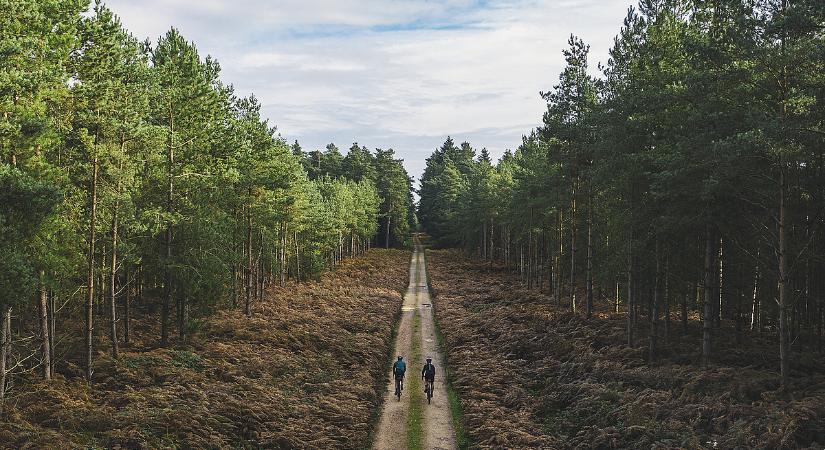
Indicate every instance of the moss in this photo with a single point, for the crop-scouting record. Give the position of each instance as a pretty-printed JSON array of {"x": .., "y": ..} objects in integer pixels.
[{"x": 187, "y": 359}]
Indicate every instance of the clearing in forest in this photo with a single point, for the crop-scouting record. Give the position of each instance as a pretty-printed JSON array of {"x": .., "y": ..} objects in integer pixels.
[{"x": 402, "y": 421}]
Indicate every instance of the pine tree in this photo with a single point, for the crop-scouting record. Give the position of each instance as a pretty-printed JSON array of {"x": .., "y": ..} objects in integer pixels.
[{"x": 183, "y": 106}]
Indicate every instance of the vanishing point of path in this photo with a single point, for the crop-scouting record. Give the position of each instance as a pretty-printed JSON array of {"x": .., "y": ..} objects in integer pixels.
[{"x": 438, "y": 426}]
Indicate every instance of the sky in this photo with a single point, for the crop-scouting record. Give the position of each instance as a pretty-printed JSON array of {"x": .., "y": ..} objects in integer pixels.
[{"x": 401, "y": 74}]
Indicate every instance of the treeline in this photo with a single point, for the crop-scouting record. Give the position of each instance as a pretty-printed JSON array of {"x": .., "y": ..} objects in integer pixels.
[
  {"x": 130, "y": 173},
  {"x": 382, "y": 169},
  {"x": 688, "y": 179}
]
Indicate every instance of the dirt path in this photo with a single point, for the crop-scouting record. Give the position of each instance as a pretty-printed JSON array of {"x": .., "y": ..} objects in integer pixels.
[{"x": 438, "y": 426}]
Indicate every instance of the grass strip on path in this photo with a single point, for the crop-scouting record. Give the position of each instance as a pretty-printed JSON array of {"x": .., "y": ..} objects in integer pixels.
[{"x": 415, "y": 419}]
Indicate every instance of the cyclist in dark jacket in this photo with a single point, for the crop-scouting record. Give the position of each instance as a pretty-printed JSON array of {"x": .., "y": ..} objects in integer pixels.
[{"x": 428, "y": 372}]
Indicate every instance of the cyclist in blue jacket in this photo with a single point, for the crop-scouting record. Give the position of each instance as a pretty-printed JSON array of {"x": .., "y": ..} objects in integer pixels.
[{"x": 399, "y": 368}]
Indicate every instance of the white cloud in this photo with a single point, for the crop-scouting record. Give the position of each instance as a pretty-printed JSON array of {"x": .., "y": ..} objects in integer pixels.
[
  {"x": 257, "y": 60},
  {"x": 389, "y": 73}
]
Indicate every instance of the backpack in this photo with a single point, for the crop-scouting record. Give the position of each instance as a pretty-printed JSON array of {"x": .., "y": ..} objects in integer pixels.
[{"x": 399, "y": 368}]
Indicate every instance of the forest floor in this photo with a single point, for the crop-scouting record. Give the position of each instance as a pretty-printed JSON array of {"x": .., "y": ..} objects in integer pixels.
[
  {"x": 530, "y": 374},
  {"x": 409, "y": 422},
  {"x": 306, "y": 371}
]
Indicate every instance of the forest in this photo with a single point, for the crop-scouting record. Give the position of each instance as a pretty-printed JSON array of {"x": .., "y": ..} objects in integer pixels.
[
  {"x": 138, "y": 189},
  {"x": 685, "y": 182},
  {"x": 643, "y": 270}
]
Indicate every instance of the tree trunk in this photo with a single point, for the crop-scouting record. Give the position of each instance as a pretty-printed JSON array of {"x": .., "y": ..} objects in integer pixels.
[
  {"x": 236, "y": 245},
  {"x": 630, "y": 300},
  {"x": 738, "y": 315},
  {"x": 127, "y": 307},
  {"x": 559, "y": 256},
  {"x": 551, "y": 263},
  {"x": 248, "y": 303},
  {"x": 183, "y": 325},
  {"x": 297, "y": 258},
  {"x": 530, "y": 251},
  {"x": 259, "y": 277},
  {"x": 44, "y": 327},
  {"x": 573, "y": 247},
  {"x": 5, "y": 347},
  {"x": 507, "y": 247},
  {"x": 101, "y": 302},
  {"x": 755, "y": 306},
  {"x": 484, "y": 239},
  {"x": 52, "y": 323},
  {"x": 113, "y": 286},
  {"x": 283, "y": 268},
  {"x": 709, "y": 300},
  {"x": 139, "y": 287},
  {"x": 167, "y": 284},
  {"x": 667, "y": 299},
  {"x": 492, "y": 253},
  {"x": 784, "y": 300},
  {"x": 235, "y": 283},
  {"x": 90, "y": 275},
  {"x": 819, "y": 320},
  {"x": 589, "y": 254},
  {"x": 270, "y": 268},
  {"x": 387, "y": 241},
  {"x": 717, "y": 316},
  {"x": 654, "y": 311}
]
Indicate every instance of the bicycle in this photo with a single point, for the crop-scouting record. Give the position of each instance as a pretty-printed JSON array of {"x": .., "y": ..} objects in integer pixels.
[
  {"x": 428, "y": 388},
  {"x": 399, "y": 386}
]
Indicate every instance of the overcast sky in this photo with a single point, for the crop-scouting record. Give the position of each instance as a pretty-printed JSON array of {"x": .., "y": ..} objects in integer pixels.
[{"x": 389, "y": 73}]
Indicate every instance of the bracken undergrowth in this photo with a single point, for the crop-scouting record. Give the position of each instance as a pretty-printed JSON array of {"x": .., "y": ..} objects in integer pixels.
[
  {"x": 531, "y": 374},
  {"x": 307, "y": 370}
]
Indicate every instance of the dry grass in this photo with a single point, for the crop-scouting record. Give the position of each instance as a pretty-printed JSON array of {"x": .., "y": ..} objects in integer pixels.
[
  {"x": 306, "y": 371},
  {"x": 531, "y": 375}
]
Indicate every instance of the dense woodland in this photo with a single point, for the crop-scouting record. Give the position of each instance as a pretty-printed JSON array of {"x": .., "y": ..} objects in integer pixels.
[
  {"x": 686, "y": 181},
  {"x": 132, "y": 175}
]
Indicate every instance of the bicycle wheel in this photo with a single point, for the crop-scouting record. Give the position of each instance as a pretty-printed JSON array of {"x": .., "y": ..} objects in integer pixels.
[{"x": 429, "y": 392}]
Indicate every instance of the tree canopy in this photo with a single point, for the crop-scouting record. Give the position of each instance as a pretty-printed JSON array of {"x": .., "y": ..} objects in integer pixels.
[
  {"x": 690, "y": 171},
  {"x": 132, "y": 169}
]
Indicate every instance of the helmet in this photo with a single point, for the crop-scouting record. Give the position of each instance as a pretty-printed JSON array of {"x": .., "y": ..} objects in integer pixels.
[
  {"x": 429, "y": 359},
  {"x": 400, "y": 357}
]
